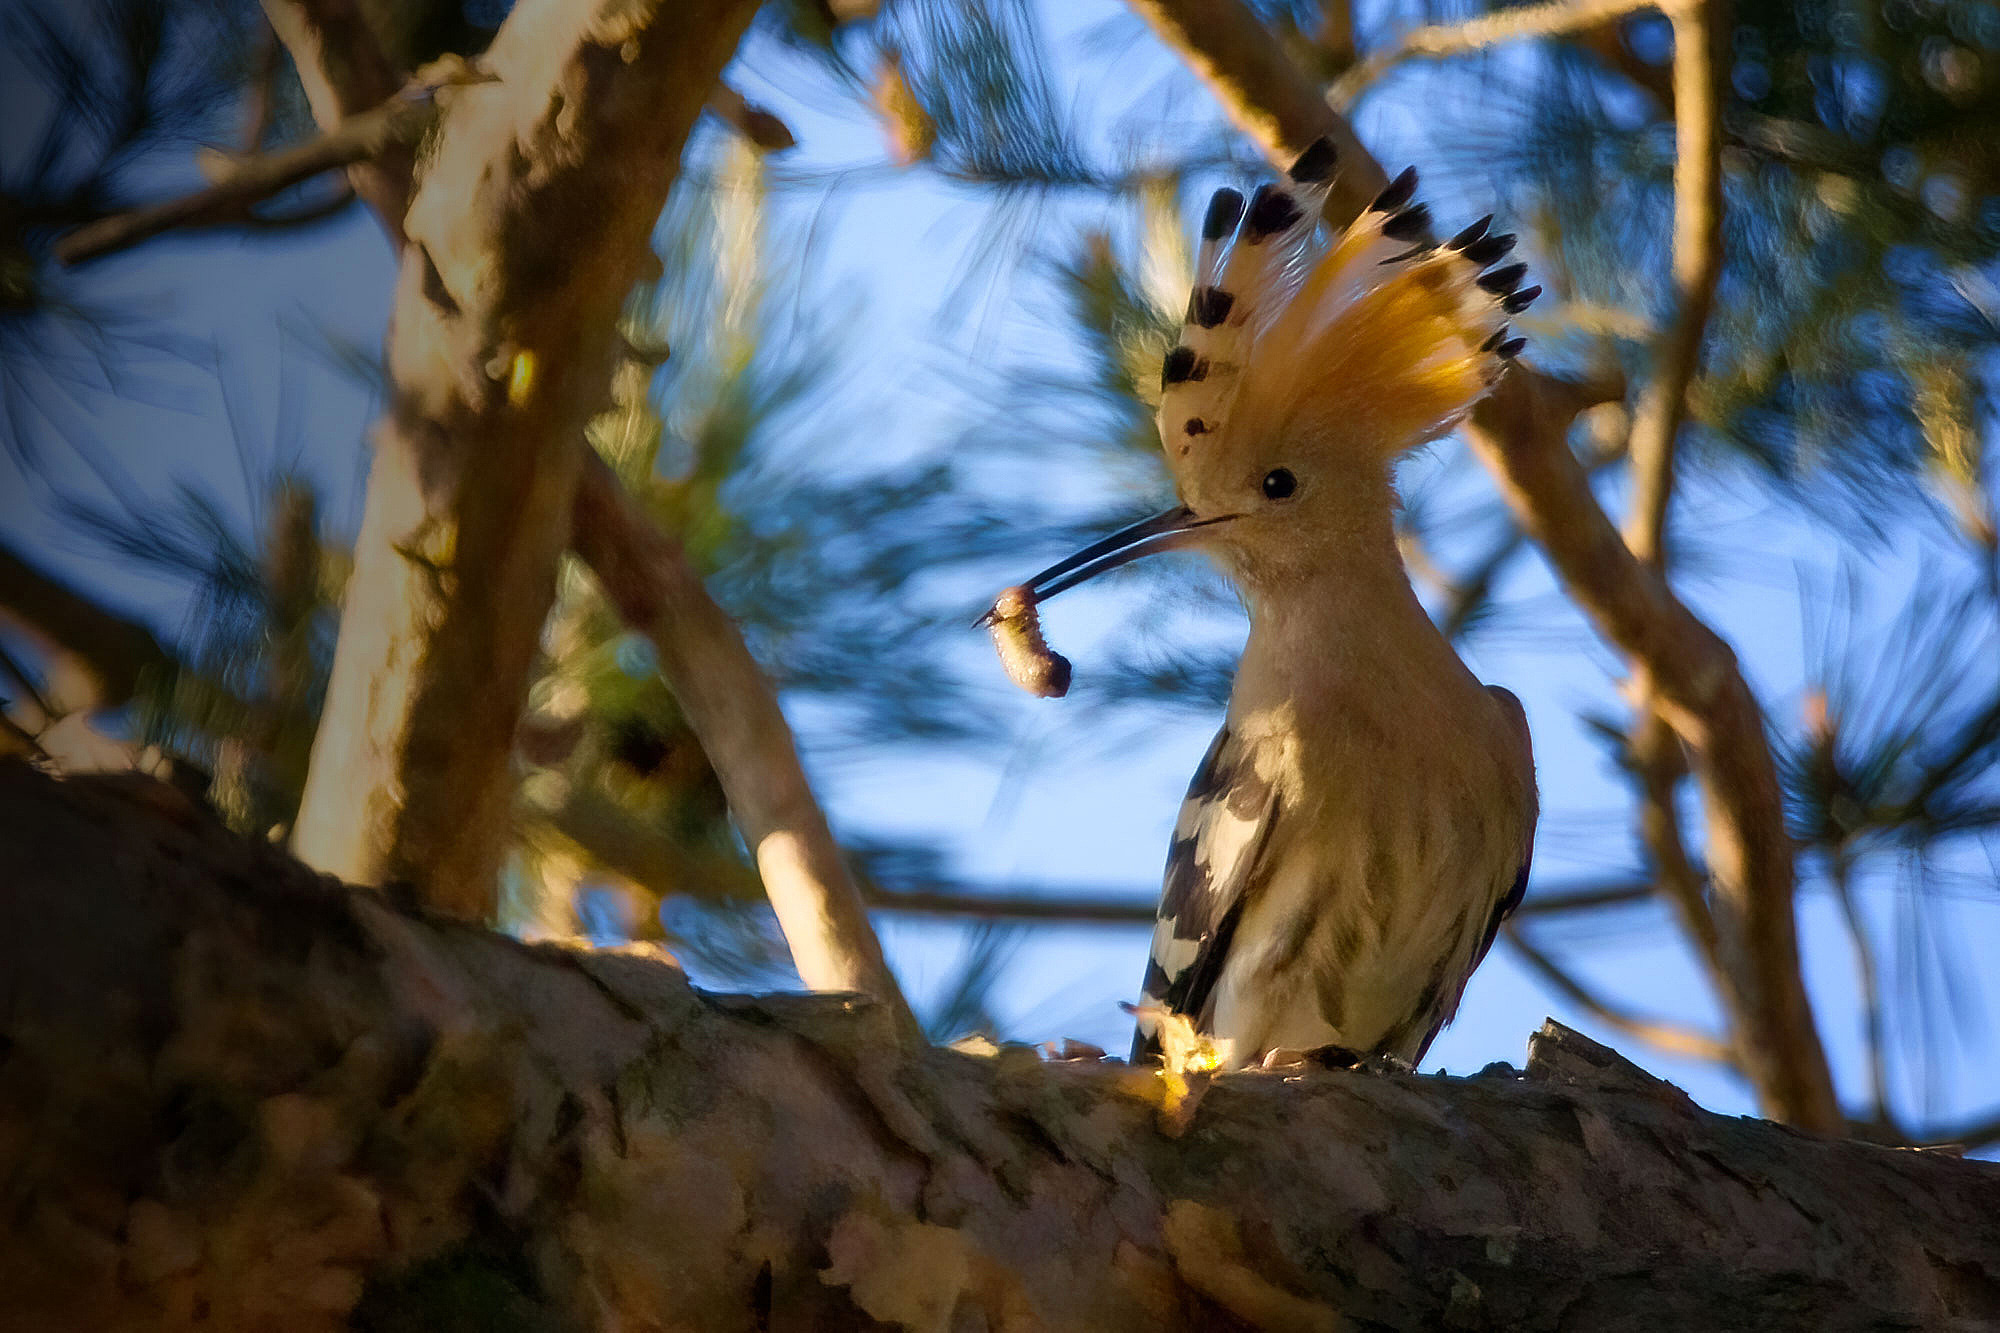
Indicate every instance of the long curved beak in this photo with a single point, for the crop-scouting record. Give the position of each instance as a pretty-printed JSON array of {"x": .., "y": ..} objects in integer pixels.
[{"x": 1165, "y": 531}]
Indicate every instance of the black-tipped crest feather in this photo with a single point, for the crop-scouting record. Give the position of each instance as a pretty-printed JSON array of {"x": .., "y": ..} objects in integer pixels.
[
  {"x": 1225, "y": 210},
  {"x": 1398, "y": 193},
  {"x": 1208, "y": 306},
  {"x": 1493, "y": 247},
  {"x": 1271, "y": 211},
  {"x": 1316, "y": 163},
  {"x": 1409, "y": 225},
  {"x": 1470, "y": 234}
]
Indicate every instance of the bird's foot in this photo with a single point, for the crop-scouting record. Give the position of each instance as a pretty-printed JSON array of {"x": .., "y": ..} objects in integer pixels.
[{"x": 1364, "y": 1062}]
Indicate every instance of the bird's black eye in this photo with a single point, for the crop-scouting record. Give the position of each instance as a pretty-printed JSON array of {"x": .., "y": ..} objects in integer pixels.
[{"x": 1279, "y": 484}]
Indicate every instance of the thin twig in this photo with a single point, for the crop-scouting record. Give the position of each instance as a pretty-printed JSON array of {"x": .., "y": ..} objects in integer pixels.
[
  {"x": 1659, "y": 765},
  {"x": 1841, "y": 874},
  {"x": 1052, "y": 908},
  {"x": 1663, "y": 404},
  {"x": 761, "y": 127},
  {"x": 1519, "y": 431},
  {"x": 1437, "y": 41},
  {"x": 401, "y": 120},
  {"x": 344, "y": 72},
  {"x": 1556, "y": 901},
  {"x": 1672, "y": 1038}
]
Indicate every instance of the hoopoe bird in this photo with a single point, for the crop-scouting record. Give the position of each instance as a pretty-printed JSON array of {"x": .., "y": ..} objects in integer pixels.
[{"x": 1363, "y": 821}]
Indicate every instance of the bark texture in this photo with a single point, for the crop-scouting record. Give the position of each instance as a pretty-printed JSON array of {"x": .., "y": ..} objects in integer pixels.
[
  {"x": 238, "y": 1095},
  {"x": 527, "y": 228}
]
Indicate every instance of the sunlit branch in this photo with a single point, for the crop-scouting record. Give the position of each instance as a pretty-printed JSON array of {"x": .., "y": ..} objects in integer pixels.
[
  {"x": 344, "y": 72},
  {"x": 825, "y": 924},
  {"x": 1697, "y": 263},
  {"x": 1437, "y": 41},
  {"x": 733, "y": 711}
]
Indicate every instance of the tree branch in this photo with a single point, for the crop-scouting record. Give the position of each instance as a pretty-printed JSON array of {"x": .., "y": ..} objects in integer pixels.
[
  {"x": 528, "y": 228},
  {"x": 1263, "y": 92},
  {"x": 826, "y": 928},
  {"x": 94, "y": 657},
  {"x": 1663, "y": 403},
  {"x": 734, "y": 712},
  {"x": 1519, "y": 431},
  {"x": 344, "y": 72},
  {"x": 614, "y": 840},
  {"x": 1551, "y": 900},
  {"x": 441, "y": 1126},
  {"x": 1658, "y": 765},
  {"x": 1437, "y": 41},
  {"x": 400, "y": 121}
]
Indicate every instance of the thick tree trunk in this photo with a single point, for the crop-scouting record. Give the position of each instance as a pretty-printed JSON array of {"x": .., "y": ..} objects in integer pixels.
[
  {"x": 238, "y": 1095},
  {"x": 528, "y": 226}
]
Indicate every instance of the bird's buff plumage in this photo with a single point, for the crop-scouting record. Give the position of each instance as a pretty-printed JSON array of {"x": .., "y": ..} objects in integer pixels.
[{"x": 1363, "y": 820}]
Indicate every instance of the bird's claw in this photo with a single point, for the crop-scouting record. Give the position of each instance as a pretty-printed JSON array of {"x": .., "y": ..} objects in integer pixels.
[{"x": 1363, "y": 1062}]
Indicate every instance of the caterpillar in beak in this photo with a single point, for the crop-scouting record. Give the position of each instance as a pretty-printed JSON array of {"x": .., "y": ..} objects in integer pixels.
[{"x": 1017, "y": 634}]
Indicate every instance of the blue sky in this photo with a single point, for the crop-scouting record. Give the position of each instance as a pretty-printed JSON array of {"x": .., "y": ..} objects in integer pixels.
[{"x": 1063, "y": 796}]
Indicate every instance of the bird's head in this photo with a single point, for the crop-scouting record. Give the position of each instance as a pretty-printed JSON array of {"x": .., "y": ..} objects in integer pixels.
[{"x": 1305, "y": 367}]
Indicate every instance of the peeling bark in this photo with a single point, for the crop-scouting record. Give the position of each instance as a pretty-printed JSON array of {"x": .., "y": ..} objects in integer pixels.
[
  {"x": 526, "y": 231},
  {"x": 234, "y": 1093}
]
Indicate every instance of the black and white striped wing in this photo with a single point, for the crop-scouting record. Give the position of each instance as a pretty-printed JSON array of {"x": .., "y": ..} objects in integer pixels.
[{"x": 1214, "y": 866}]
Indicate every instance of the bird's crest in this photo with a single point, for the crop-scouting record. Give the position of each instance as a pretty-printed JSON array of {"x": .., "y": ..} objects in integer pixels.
[{"x": 1381, "y": 336}]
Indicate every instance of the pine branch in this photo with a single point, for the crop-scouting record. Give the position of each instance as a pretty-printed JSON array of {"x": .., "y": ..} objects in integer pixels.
[
  {"x": 1437, "y": 41},
  {"x": 1663, "y": 404},
  {"x": 399, "y": 122},
  {"x": 344, "y": 72}
]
